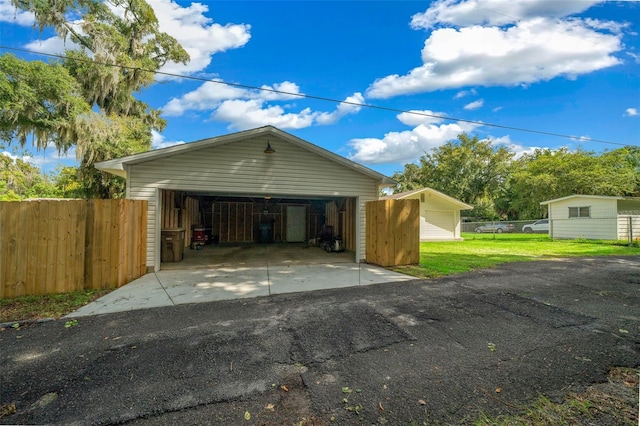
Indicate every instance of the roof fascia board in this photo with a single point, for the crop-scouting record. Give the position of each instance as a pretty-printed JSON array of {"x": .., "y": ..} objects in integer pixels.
[
  {"x": 459, "y": 203},
  {"x": 568, "y": 197}
]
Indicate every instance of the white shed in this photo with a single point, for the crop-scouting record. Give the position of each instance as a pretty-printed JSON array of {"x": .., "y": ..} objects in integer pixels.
[
  {"x": 439, "y": 214},
  {"x": 233, "y": 184},
  {"x": 593, "y": 217}
]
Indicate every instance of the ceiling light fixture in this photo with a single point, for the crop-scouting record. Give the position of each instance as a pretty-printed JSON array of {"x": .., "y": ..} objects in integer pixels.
[{"x": 269, "y": 150}]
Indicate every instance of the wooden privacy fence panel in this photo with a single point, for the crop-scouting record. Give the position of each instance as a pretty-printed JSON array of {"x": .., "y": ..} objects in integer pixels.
[
  {"x": 393, "y": 232},
  {"x": 57, "y": 246}
]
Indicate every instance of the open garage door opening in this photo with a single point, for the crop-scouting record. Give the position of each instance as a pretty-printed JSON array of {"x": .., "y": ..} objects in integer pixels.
[{"x": 199, "y": 224}]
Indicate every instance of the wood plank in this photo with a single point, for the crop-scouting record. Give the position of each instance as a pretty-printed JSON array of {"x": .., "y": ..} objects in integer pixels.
[
  {"x": 124, "y": 241},
  {"x": 59, "y": 240},
  {"x": 90, "y": 264},
  {"x": 11, "y": 211},
  {"x": 50, "y": 224},
  {"x": 3, "y": 249},
  {"x": 67, "y": 229},
  {"x": 22, "y": 248},
  {"x": 80, "y": 244},
  {"x": 113, "y": 258},
  {"x": 101, "y": 241},
  {"x": 72, "y": 258}
]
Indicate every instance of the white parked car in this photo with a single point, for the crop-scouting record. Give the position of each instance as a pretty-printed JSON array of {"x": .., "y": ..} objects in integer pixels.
[{"x": 539, "y": 226}]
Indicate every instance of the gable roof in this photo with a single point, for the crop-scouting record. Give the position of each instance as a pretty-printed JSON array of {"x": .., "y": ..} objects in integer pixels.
[
  {"x": 401, "y": 195},
  {"x": 118, "y": 166},
  {"x": 601, "y": 197}
]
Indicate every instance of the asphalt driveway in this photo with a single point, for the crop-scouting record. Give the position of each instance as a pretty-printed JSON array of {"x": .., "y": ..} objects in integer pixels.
[{"x": 435, "y": 351}]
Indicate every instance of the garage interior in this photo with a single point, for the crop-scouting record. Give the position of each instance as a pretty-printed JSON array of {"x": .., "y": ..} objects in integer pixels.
[{"x": 244, "y": 228}]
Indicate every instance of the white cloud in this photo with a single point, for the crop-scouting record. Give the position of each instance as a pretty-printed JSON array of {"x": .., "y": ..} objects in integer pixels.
[
  {"x": 496, "y": 109},
  {"x": 416, "y": 117},
  {"x": 245, "y": 108},
  {"x": 474, "y": 105},
  {"x": 45, "y": 158},
  {"x": 494, "y": 12},
  {"x": 463, "y": 93},
  {"x": 279, "y": 91},
  {"x": 406, "y": 146},
  {"x": 631, "y": 112},
  {"x": 634, "y": 56},
  {"x": 10, "y": 14},
  {"x": 206, "y": 97},
  {"x": 517, "y": 149},
  {"x": 16, "y": 157},
  {"x": 245, "y": 114},
  {"x": 158, "y": 141},
  {"x": 54, "y": 45},
  {"x": 255, "y": 112},
  {"x": 211, "y": 94},
  {"x": 352, "y": 106},
  {"x": 533, "y": 45},
  {"x": 197, "y": 33}
]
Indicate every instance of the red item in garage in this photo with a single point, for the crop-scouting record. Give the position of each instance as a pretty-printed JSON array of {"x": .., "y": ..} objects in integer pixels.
[{"x": 198, "y": 237}]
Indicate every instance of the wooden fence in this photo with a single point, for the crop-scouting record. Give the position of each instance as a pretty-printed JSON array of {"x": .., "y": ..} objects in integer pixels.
[
  {"x": 393, "y": 232},
  {"x": 58, "y": 246}
]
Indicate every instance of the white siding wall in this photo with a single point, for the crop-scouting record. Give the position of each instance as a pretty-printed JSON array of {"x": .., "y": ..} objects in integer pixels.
[
  {"x": 240, "y": 168},
  {"x": 623, "y": 227},
  {"x": 439, "y": 218},
  {"x": 602, "y": 225},
  {"x": 437, "y": 225}
]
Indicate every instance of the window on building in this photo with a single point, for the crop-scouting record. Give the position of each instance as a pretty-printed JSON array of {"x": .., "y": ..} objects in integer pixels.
[{"x": 579, "y": 212}]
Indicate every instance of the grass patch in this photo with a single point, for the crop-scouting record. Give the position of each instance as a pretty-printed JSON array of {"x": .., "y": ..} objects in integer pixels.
[
  {"x": 46, "y": 306},
  {"x": 611, "y": 403},
  {"x": 487, "y": 250}
]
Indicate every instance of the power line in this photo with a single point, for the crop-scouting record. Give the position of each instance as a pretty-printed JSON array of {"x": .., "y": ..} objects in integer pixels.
[{"x": 324, "y": 99}]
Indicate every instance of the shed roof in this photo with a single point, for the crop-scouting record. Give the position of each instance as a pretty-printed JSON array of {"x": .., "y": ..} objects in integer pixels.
[
  {"x": 599, "y": 197},
  {"x": 117, "y": 166},
  {"x": 401, "y": 195}
]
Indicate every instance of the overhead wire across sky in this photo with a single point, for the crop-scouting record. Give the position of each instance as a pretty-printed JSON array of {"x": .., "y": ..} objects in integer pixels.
[{"x": 326, "y": 99}]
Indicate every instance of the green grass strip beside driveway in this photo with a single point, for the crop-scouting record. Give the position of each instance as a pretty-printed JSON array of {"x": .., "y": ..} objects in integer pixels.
[{"x": 478, "y": 251}]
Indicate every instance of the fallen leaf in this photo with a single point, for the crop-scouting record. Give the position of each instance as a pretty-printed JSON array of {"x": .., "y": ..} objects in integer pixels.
[
  {"x": 498, "y": 390},
  {"x": 270, "y": 407},
  {"x": 622, "y": 330},
  {"x": 284, "y": 388},
  {"x": 384, "y": 386},
  {"x": 247, "y": 415},
  {"x": 380, "y": 407},
  {"x": 422, "y": 402}
]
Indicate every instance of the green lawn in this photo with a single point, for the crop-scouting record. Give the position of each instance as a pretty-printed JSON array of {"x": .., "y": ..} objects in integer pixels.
[
  {"x": 46, "y": 306},
  {"x": 487, "y": 250}
]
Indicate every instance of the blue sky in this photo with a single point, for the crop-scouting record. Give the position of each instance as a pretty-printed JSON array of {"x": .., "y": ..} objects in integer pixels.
[{"x": 564, "y": 67}]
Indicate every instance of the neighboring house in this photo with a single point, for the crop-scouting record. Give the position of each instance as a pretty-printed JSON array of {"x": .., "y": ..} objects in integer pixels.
[
  {"x": 256, "y": 184},
  {"x": 439, "y": 214},
  {"x": 593, "y": 217}
]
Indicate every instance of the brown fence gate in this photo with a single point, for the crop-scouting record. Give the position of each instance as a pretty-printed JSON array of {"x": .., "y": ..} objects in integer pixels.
[
  {"x": 393, "y": 232},
  {"x": 57, "y": 246}
]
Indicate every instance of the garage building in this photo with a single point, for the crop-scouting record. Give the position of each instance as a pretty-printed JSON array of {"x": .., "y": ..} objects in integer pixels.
[{"x": 260, "y": 185}]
